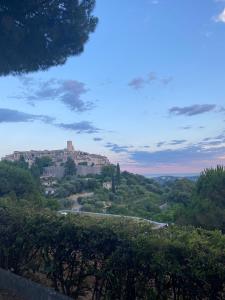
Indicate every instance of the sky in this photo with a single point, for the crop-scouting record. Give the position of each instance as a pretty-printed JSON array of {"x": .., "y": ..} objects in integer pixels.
[{"x": 148, "y": 91}]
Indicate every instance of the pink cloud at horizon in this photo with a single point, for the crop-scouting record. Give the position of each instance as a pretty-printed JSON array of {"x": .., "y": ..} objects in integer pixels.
[{"x": 194, "y": 167}]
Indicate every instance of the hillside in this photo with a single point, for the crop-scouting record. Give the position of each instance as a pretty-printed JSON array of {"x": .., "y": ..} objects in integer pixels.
[
  {"x": 132, "y": 194},
  {"x": 109, "y": 257},
  {"x": 177, "y": 201}
]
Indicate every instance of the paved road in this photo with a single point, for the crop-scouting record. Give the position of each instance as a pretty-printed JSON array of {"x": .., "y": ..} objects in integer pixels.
[{"x": 157, "y": 225}]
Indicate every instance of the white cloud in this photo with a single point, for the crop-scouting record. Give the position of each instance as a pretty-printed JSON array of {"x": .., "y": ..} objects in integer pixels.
[{"x": 221, "y": 17}]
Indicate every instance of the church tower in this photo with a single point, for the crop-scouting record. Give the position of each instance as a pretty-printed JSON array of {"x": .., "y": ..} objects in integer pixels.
[{"x": 70, "y": 147}]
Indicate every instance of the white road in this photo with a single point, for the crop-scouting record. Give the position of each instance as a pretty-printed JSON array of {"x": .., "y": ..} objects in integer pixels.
[{"x": 156, "y": 225}]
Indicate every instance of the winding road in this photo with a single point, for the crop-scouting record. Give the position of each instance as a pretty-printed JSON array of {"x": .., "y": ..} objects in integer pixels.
[{"x": 156, "y": 225}]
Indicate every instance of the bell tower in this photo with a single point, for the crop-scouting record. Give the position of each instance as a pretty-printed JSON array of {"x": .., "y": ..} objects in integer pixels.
[{"x": 70, "y": 147}]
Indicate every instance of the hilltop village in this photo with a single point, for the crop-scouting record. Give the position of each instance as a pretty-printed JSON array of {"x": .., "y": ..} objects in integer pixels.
[{"x": 86, "y": 163}]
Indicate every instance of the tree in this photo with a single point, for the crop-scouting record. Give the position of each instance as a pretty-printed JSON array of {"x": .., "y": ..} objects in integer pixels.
[
  {"x": 42, "y": 163},
  {"x": 207, "y": 208},
  {"x": 113, "y": 184},
  {"x": 107, "y": 172},
  {"x": 17, "y": 181},
  {"x": 117, "y": 174},
  {"x": 211, "y": 185},
  {"x": 70, "y": 167},
  {"x": 22, "y": 163},
  {"x": 180, "y": 191},
  {"x": 38, "y": 34}
]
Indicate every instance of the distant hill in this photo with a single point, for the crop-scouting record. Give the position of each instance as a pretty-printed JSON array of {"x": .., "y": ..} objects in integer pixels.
[{"x": 163, "y": 179}]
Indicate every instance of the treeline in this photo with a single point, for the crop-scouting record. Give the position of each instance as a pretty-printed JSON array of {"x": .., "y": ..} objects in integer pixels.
[{"x": 81, "y": 256}]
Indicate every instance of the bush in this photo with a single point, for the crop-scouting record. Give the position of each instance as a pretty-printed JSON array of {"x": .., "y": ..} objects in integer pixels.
[{"x": 113, "y": 259}]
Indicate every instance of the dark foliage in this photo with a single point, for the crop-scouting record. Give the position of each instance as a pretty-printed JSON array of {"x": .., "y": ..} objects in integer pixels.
[
  {"x": 207, "y": 208},
  {"x": 70, "y": 167},
  {"x": 38, "y": 34},
  {"x": 17, "y": 182},
  {"x": 113, "y": 259},
  {"x": 40, "y": 163}
]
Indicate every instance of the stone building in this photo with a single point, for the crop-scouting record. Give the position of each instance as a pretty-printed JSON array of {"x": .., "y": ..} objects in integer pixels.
[
  {"x": 59, "y": 171},
  {"x": 70, "y": 147},
  {"x": 59, "y": 157}
]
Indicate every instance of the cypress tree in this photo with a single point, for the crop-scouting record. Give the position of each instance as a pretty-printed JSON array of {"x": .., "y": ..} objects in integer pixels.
[
  {"x": 118, "y": 174},
  {"x": 113, "y": 184}
]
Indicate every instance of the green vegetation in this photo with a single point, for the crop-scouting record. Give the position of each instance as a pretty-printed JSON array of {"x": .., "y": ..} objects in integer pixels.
[
  {"x": 109, "y": 258},
  {"x": 70, "y": 167},
  {"x": 118, "y": 177},
  {"x": 17, "y": 182},
  {"x": 207, "y": 208},
  {"x": 40, "y": 163},
  {"x": 104, "y": 259},
  {"x": 19, "y": 187},
  {"x": 81, "y": 256},
  {"x": 36, "y": 35},
  {"x": 74, "y": 185},
  {"x": 129, "y": 194},
  {"x": 179, "y": 201}
]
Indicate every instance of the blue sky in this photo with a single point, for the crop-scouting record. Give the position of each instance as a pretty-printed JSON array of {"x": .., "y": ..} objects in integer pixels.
[{"x": 148, "y": 91}]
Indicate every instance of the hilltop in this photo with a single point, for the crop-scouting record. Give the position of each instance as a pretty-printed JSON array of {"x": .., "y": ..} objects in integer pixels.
[{"x": 86, "y": 163}]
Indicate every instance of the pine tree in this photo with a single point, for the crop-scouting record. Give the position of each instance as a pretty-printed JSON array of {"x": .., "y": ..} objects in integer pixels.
[{"x": 38, "y": 34}]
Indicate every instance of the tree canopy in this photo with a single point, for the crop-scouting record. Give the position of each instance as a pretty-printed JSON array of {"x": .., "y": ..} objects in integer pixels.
[
  {"x": 38, "y": 34},
  {"x": 211, "y": 185},
  {"x": 207, "y": 208},
  {"x": 17, "y": 182},
  {"x": 105, "y": 259},
  {"x": 70, "y": 167},
  {"x": 43, "y": 162}
]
